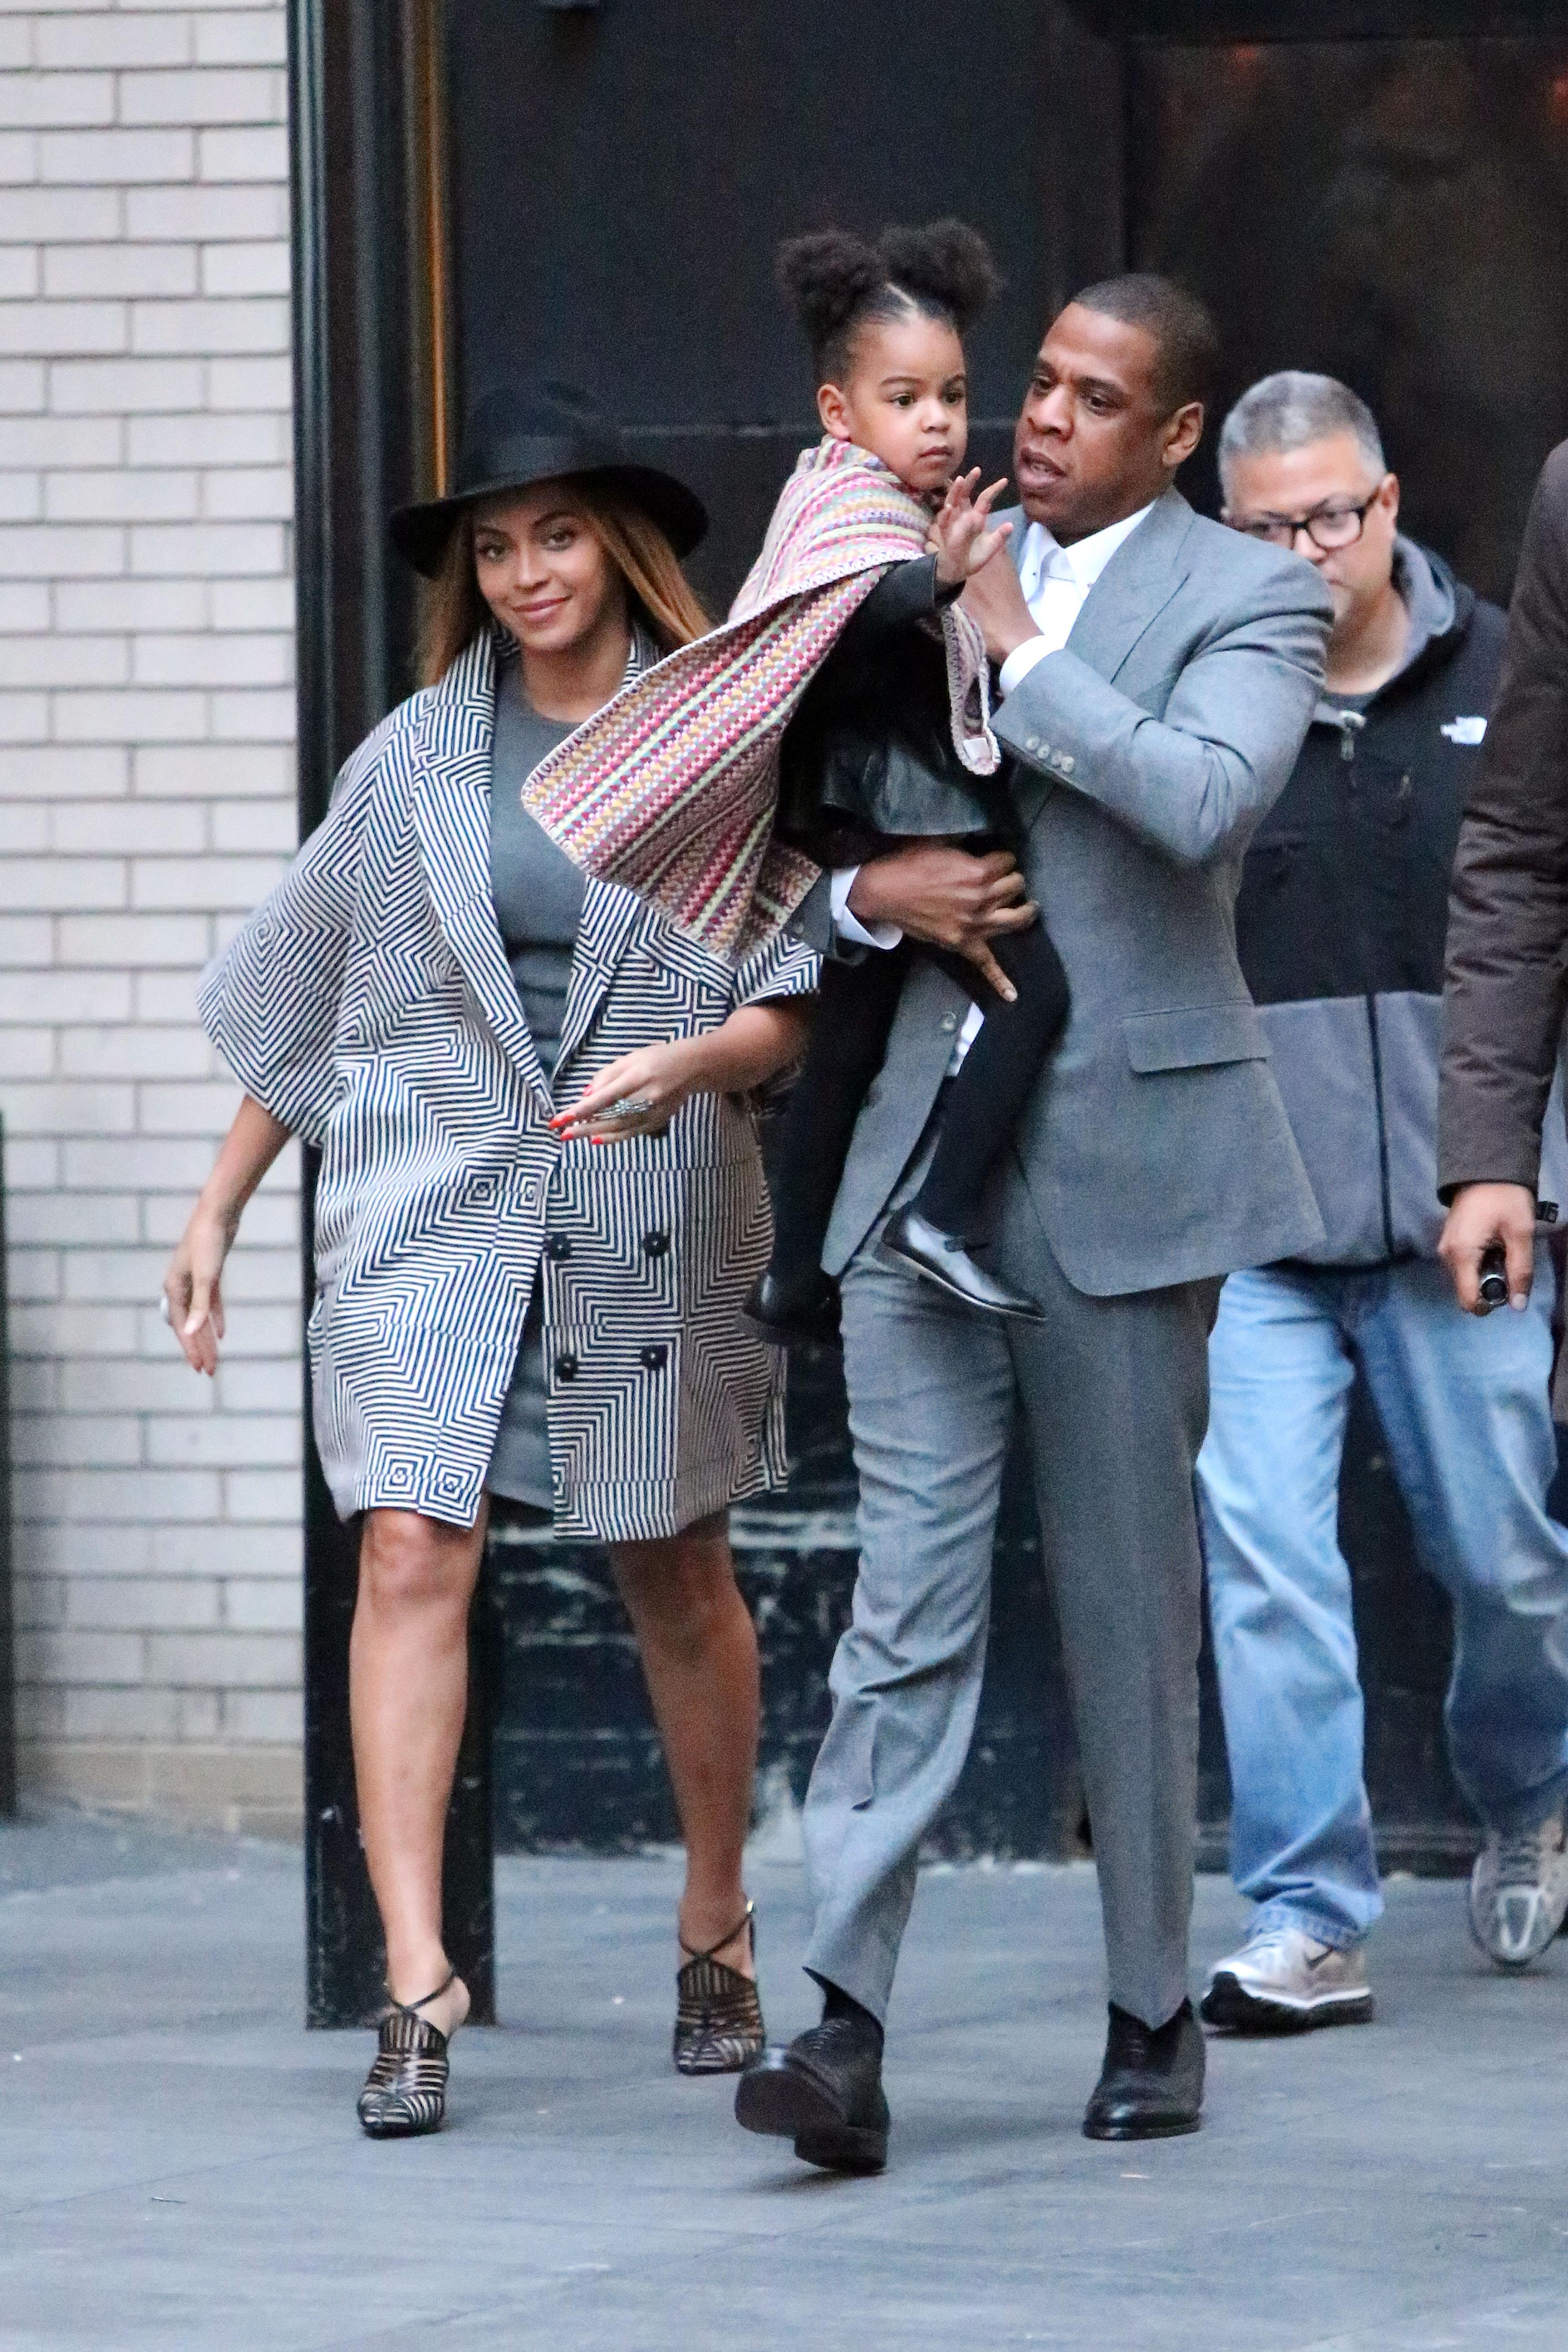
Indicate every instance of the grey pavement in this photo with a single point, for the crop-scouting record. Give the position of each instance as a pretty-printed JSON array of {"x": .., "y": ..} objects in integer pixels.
[{"x": 180, "y": 2165}]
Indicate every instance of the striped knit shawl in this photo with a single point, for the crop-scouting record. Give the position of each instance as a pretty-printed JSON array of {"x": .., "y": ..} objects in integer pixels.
[{"x": 672, "y": 788}]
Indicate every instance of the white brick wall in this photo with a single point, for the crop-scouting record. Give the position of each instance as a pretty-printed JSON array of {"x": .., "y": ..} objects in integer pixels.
[{"x": 146, "y": 723}]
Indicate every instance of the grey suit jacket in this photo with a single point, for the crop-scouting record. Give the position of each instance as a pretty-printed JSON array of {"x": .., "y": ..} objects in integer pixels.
[{"x": 1155, "y": 1149}]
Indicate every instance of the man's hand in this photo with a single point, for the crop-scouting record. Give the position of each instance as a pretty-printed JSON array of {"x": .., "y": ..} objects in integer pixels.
[
  {"x": 1481, "y": 1215},
  {"x": 959, "y": 537},
  {"x": 994, "y": 598},
  {"x": 949, "y": 898}
]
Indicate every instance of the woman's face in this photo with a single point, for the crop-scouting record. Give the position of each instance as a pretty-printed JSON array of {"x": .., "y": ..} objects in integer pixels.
[{"x": 542, "y": 570}]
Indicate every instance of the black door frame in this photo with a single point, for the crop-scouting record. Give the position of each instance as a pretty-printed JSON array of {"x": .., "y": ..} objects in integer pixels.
[{"x": 371, "y": 429}]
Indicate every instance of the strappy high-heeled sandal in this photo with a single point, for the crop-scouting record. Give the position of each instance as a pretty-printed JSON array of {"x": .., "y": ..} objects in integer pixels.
[
  {"x": 405, "y": 2093},
  {"x": 718, "y": 2012}
]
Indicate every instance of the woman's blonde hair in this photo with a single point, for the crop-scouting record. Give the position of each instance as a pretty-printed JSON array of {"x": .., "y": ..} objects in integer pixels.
[{"x": 661, "y": 597}]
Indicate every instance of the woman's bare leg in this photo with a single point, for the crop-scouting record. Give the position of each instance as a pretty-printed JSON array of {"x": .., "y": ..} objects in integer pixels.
[
  {"x": 408, "y": 1687},
  {"x": 699, "y": 1653}
]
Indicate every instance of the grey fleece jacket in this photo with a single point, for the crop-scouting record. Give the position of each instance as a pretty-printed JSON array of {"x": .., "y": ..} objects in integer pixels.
[{"x": 1342, "y": 917}]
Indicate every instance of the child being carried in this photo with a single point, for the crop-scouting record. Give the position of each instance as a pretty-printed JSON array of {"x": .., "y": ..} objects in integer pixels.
[
  {"x": 840, "y": 712},
  {"x": 877, "y": 755}
]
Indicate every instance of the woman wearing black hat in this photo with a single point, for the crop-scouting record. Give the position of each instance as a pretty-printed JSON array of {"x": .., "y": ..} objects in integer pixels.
[{"x": 504, "y": 1307}]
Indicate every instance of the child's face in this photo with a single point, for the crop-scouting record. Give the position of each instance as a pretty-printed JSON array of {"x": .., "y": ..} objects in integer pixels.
[{"x": 906, "y": 400}]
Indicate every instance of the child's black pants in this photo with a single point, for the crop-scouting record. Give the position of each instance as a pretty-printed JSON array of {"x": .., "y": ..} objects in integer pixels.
[{"x": 847, "y": 1046}]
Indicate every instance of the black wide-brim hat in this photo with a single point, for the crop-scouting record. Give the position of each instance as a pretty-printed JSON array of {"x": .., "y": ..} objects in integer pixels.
[{"x": 518, "y": 435}]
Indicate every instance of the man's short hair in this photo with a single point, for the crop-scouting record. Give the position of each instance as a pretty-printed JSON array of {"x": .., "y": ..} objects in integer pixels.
[
  {"x": 1293, "y": 409},
  {"x": 1187, "y": 337}
]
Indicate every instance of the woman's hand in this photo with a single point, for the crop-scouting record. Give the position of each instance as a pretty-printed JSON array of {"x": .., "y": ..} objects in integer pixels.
[
  {"x": 958, "y": 537},
  {"x": 192, "y": 1293},
  {"x": 751, "y": 1047},
  {"x": 638, "y": 1095},
  {"x": 193, "y": 1290}
]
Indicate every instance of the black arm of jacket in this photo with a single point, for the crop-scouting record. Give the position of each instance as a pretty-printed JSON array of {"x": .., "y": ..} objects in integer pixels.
[
  {"x": 1506, "y": 982},
  {"x": 869, "y": 751}
]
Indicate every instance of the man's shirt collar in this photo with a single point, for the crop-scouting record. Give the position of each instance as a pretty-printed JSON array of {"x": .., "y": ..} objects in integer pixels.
[{"x": 1042, "y": 558}]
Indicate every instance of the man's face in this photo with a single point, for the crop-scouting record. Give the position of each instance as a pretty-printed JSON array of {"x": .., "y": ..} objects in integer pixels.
[
  {"x": 1328, "y": 478},
  {"x": 1093, "y": 443}
]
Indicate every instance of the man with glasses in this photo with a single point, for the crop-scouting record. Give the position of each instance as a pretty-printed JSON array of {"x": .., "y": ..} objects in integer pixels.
[{"x": 1340, "y": 924}]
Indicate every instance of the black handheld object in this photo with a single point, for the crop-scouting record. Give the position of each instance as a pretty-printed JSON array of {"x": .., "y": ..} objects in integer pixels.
[{"x": 1494, "y": 1276}]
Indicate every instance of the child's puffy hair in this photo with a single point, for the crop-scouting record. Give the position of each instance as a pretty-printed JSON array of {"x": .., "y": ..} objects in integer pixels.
[{"x": 838, "y": 283}]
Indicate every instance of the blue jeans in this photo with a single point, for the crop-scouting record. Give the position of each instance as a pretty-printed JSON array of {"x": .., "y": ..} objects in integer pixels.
[{"x": 1463, "y": 1409}]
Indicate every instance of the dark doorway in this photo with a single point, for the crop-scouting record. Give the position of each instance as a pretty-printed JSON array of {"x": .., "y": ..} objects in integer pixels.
[
  {"x": 618, "y": 189},
  {"x": 620, "y": 181},
  {"x": 605, "y": 204},
  {"x": 1394, "y": 213}
]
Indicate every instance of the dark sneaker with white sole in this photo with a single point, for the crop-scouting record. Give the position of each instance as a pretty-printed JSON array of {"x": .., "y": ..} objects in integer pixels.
[
  {"x": 1519, "y": 1893},
  {"x": 1283, "y": 1980}
]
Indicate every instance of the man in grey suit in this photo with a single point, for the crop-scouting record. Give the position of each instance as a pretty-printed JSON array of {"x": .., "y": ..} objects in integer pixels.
[{"x": 1158, "y": 673}]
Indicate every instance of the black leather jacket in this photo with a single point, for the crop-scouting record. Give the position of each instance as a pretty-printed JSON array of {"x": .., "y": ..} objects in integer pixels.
[{"x": 869, "y": 756}]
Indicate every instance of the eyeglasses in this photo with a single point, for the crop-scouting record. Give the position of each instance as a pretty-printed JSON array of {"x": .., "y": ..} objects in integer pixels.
[{"x": 1331, "y": 526}]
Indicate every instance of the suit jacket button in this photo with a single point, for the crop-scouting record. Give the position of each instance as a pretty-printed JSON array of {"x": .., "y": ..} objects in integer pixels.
[
  {"x": 558, "y": 1247},
  {"x": 655, "y": 1245},
  {"x": 1066, "y": 764},
  {"x": 949, "y": 1023},
  {"x": 566, "y": 1368},
  {"x": 655, "y": 1359},
  {"x": 1031, "y": 742}
]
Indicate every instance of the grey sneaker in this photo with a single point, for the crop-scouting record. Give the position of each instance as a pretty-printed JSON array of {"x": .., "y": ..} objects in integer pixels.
[
  {"x": 1285, "y": 1982},
  {"x": 1518, "y": 1892}
]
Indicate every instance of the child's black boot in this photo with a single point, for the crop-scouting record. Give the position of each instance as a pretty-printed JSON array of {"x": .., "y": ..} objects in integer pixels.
[
  {"x": 943, "y": 1259},
  {"x": 788, "y": 1304}
]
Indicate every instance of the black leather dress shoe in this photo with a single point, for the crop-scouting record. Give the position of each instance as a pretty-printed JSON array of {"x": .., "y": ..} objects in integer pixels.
[
  {"x": 824, "y": 2092},
  {"x": 783, "y": 1309},
  {"x": 944, "y": 1259},
  {"x": 1151, "y": 2084}
]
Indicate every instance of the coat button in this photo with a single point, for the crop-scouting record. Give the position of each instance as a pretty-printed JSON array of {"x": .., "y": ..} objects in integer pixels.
[
  {"x": 1031, "y": 742},
  {"x": 655, "y": 1359},
  {"x": 558, "y": 1247},
  {"x": 566, "y": 1368},
  {"x": 949, "y": 1023},
  {"x": 655, "y": 1245}
]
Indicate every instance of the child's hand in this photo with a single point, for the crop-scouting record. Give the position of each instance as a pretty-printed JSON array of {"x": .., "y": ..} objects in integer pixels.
[{"x": 958, "y": 537}]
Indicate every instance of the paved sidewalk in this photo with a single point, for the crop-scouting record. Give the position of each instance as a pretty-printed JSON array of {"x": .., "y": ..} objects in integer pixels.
[{"x": 180, "y": 2166}]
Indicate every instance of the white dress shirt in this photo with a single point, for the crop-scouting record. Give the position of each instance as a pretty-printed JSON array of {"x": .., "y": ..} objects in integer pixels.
[{"x": 1056, "y": 582}]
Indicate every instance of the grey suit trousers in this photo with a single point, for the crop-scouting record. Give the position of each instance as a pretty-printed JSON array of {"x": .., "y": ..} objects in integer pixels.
[{"x": 1114, "y": 1393}]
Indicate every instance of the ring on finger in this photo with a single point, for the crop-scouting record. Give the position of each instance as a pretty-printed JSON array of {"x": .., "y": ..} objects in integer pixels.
[{"x": 629, "y": 1107}]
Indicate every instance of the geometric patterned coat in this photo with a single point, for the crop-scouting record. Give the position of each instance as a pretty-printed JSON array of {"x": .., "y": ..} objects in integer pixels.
[{"x": 369, "y": 1006}]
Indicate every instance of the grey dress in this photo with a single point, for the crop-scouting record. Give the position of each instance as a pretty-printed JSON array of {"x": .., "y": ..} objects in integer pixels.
[{"x": 537, "y": 898}]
